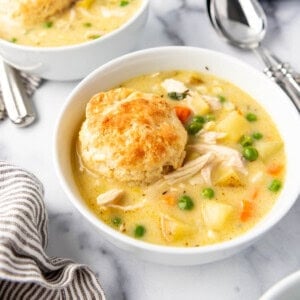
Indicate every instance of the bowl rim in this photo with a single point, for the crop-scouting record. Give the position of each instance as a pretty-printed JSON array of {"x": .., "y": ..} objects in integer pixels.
[
  {"x": 123, "y": 27},
  {"x": 282, "y": 285},
  {"x": 250, "y": 236}
]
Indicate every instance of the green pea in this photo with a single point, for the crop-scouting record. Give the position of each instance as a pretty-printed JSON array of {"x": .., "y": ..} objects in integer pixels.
[
  {"x": 13, "y": 40},
  {"x": 257, "y": 135},
  {"x": 199, "y": 119},
  {"x": 250, "y": 153},
  {"x": 222, "y": 98},
  {"x": 48, "y": 24},
  {"x": 208, "y": 193},
  {"x": 194, "y": 127},
  {"x": 185, "y": 203},
  {"x": 251, "y": 117},
  {"x": 275, "y": 185},
  {"x": 117, "y": 221},
  {"x": 139, "y": 231},
  {"x": 246, "y": 140}
]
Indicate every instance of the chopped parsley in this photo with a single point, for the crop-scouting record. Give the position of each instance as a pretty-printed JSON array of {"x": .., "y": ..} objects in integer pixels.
[
  {"x": 48, "y": 24},
  {"x": 117, "y": 221},
  {"x": 87, "y": 24},
  {"x": 95, "y": 36},
  {"x": 124, "y": 3},
  {"x": 177, "y": 96},
  {"x": 222, "y": 98}
]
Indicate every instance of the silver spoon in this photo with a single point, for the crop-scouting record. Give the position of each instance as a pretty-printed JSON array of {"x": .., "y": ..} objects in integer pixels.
[{"x": 243, "y": 23}]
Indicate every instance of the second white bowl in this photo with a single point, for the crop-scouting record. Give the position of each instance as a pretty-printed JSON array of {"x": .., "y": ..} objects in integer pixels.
[{"x": 76, "y": 61}]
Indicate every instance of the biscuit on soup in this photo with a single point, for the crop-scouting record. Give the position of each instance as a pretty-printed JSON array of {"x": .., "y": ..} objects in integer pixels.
[{"x": 131, "y": 136}]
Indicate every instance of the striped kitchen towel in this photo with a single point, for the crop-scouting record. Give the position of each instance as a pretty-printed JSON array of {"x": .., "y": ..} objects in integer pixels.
[{"x": 26, "y": 272}]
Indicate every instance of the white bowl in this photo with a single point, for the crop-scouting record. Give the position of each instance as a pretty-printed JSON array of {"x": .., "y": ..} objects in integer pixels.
[
  {"x": 171, "y": 58},
  {"x": 76, "y": 61},
  {"x": 286, "y": 289}
]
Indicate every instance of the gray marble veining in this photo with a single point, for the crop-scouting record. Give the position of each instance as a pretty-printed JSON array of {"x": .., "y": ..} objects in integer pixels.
[{"x": 244, "y": 276}]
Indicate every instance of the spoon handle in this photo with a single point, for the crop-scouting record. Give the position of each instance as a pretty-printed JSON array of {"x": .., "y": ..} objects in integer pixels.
[
  {"x": 18, "y": 106},
  {"x": 282, "y": 74}
]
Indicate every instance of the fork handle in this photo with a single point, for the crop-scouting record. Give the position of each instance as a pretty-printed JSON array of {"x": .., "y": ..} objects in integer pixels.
[
  {"x": 288, "y": 81},
  {"x": 19, "y": 107},
  {"x": 282, "y": 74}
]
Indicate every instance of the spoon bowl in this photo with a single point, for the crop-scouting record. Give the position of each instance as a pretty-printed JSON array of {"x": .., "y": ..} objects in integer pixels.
[{"x": 243, "y": 24}]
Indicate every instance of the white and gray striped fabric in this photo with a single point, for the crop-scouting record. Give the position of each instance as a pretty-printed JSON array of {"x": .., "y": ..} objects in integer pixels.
[{"x": 26, "y": 272}]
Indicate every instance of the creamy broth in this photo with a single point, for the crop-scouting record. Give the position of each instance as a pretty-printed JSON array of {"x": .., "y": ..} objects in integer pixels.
[
  {"x": 81, "y": 22},
  {"x": 240, "y": 200}
]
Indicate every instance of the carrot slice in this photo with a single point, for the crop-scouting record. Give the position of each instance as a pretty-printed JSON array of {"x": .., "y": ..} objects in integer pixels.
[
  {"x": 169, "y": 199},
  {"x": 274, "y": 169},
  {"x": 255, "y": 194},
  {"x": 183, "y": 113},
  {"x": 247, "y": 211}
]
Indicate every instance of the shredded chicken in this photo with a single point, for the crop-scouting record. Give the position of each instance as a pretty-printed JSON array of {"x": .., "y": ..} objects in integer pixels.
[
  {"x": 229, "y": 106},
  {"x": 209, "y": 126},
  {"x": 204, "y": 176},
  {"x": 109, "y": 196},
  {"x": 85, "y": 12},
  {"x": 211, "y": 137},
  {"x": 72, "y": 15},
  {"x": 108, "y": 13},
  {"x": 189, "y": 169},
  {"x": 171, "y": 85},
  {"x": 129, "y": 207},
  {"x": 164, "y": 220},
  {"x": 206, "y": 173},
  {"x": 225, "y": 155},
  {"x": 213, "y": 102},
  {"x": 257, "y": 177}
]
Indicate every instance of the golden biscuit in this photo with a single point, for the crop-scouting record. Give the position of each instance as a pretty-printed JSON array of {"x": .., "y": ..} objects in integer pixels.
[{"x": 131, "y": 136}]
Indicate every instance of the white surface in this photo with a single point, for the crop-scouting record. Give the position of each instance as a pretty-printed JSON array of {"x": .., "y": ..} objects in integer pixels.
[
  {"x": 244, "y": 276},
  {"x": 170, "y": 58}
]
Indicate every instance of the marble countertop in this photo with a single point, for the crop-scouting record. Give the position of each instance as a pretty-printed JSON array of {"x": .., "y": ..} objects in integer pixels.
[{"x": 244, "y": 276}]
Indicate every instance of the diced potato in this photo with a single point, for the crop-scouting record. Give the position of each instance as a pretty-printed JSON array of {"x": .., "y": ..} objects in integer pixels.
[
  {"x": 227, "y": 177},
  {"x": 234, "y": 125},
  {"x": 198, "y": 105},
  {"x": 85, "y": 3},
  {"x": 173, "y": 230},
  {"x": 267, "y": 149},
  {"x": 215, "y": 214}
]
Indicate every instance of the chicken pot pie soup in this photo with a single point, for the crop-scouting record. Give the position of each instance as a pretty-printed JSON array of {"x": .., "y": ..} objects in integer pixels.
[
  {"x": 51, "y": 23},
  {"x": 178, "y": 159}
]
